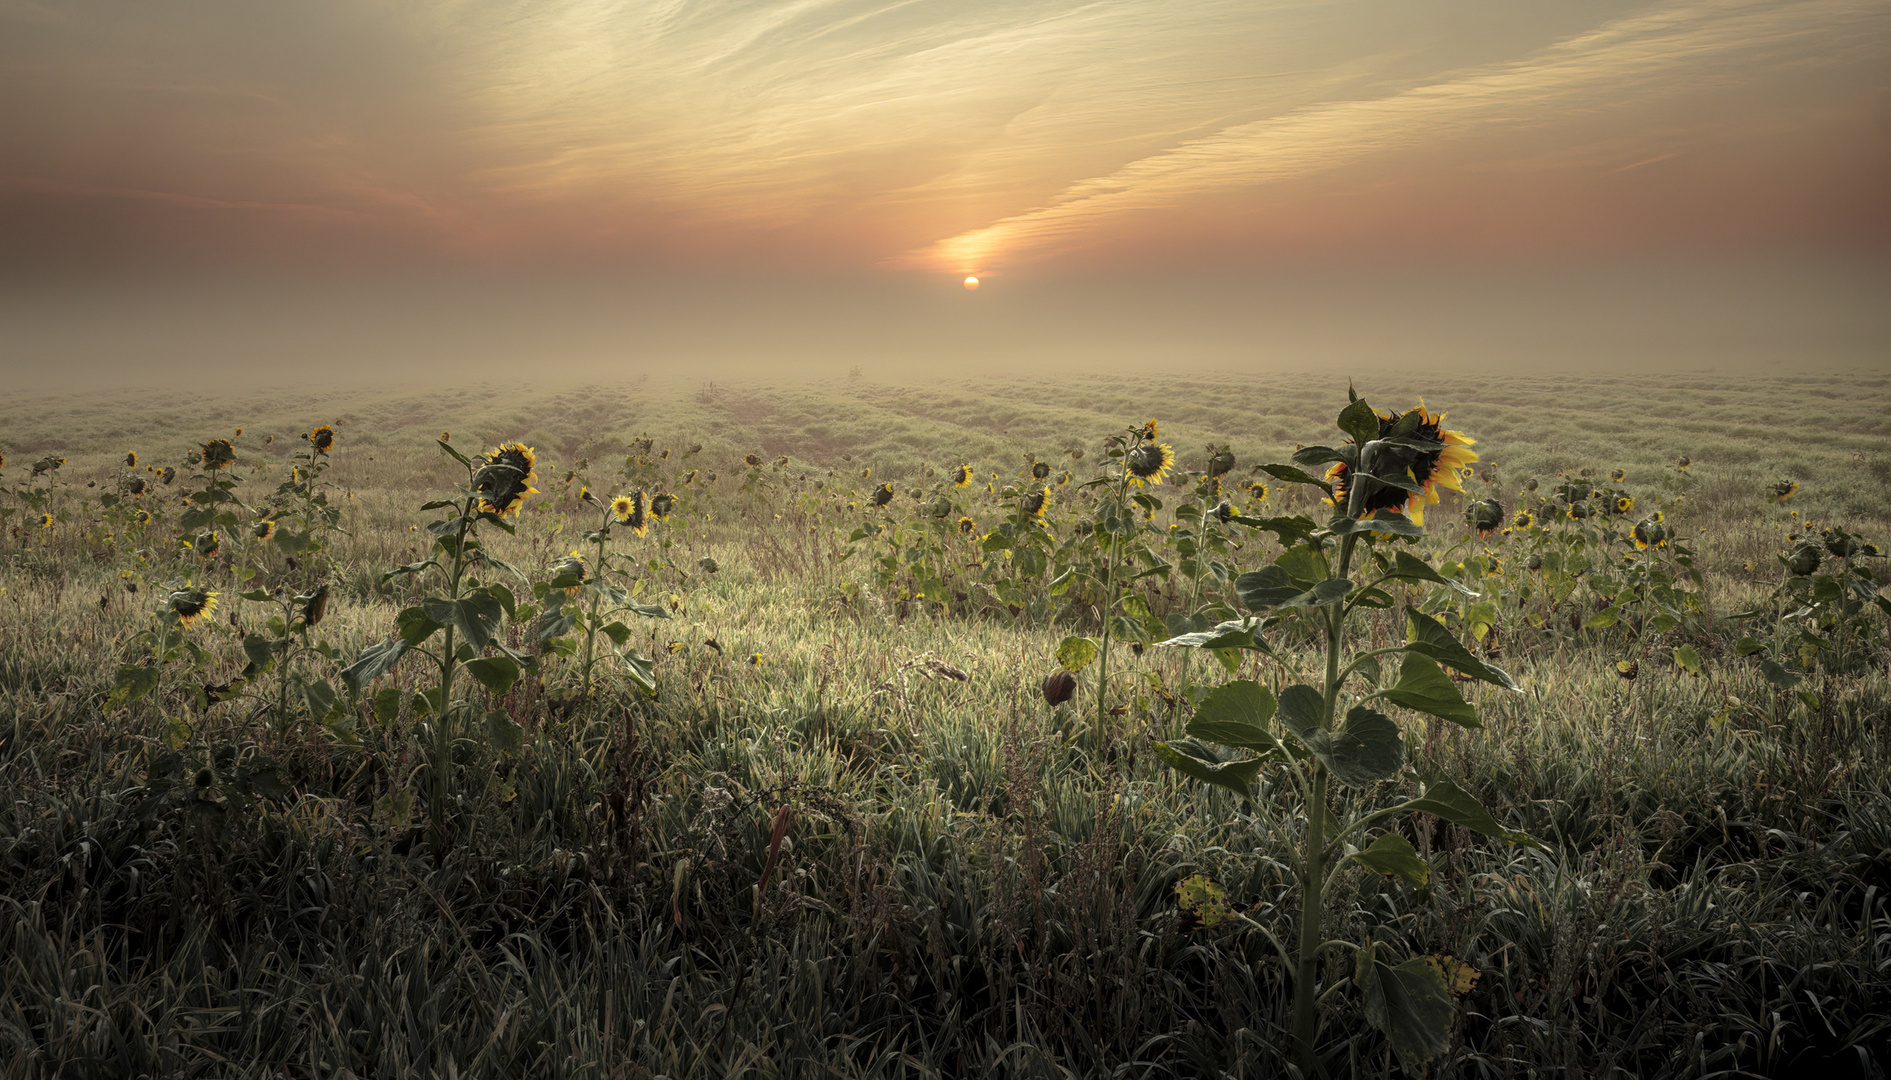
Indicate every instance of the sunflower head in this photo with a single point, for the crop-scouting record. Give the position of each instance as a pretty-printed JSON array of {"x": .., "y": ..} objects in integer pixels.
[
  {"x": 167, "y": 474},
  {"x": 131, "y": 459},
  {"x": 264, "y": 529},
  {"x": 142, "y": 517},
  {"x": 1523, "y": 520},
  {"x": 45, "y": 521},
  {"x": 1623, "y": 504},
  {"x": 782, "y": 460},
  {"x": 1221, "y": 462},
  {"x": 1444, "y": 467},
  {"x": 1650, "y": 532},
  {"x": 636, "y": 515},
  {"x": 1534, "y": 562},
  {"x": 1805, "y": 559},
  {"x": 1034, "y": 502},
  {"x": 883, "y": 495},
  {"x": 1486, "y": 516},
  {"x": 571, "y": 566},
  {"x": 1618, "y": 475},
  {"x": 621, "y": 507},
  {"x": 1224, "y": 511},
  {"x": 751, "y": 460},
  {"x": 191, "y": 603},
  {"x": 1683, "y": 462},
  {"x": 504, "y": 478},
  {"x": 322, "y": 439},
  {"x": 661, "y": 504},
  {"x": 1150, "y": 431},
  {"x": 1040, "y": 470},
  {"x": 208, "y": 544},
  {"x": 962, "y": 476},
  {"x": 940, "y": 508},
  {"x": 1257, "y": 491},
  {"x": 1149, "y": 462},
  {"x": 967, "y": 526},
  {"x": 1785, "y": 489},
  {"x": 133, "y": 485},
  {"x": 218, "y": 453}
]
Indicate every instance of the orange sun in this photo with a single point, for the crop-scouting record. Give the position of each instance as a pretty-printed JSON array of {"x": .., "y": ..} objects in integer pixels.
[{"x": 971, "y": 283}]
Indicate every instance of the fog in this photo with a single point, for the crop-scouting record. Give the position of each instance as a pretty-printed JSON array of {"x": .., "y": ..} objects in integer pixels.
[{"x": 415, "y": 329}]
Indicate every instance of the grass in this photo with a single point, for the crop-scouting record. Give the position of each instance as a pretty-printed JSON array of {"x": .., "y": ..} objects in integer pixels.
[{"x": 969, "y": 885}]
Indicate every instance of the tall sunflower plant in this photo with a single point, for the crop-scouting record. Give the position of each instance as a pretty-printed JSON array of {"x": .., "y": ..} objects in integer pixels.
[
  {"x": 303, "y": 517},
  {"x": 587, "y": 588},
  {"x": 1317, "y": 729},
  {"x": 458, "y": 627}
]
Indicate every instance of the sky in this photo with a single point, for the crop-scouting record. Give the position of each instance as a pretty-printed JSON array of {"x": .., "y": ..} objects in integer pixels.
[{"x": 849, "y": 162}]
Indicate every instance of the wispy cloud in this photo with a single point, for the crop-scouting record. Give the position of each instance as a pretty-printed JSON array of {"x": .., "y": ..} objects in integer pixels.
[{"x": 1676, "y": 48}]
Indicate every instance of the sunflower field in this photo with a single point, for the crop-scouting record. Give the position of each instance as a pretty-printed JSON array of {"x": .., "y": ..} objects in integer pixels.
[{"x": 1225, "y": 728}]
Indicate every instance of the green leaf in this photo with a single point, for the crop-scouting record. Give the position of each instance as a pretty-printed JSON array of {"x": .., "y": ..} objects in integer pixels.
[
  {"x": 413, "y": 627},
  {"x": 616, "y": 631},
  {"x": 642, "y": 671},
  {"x": 1429, "y": 638},
  {"x": 1202, "y": 763},
  {"x": 1424, "y": 687},
  {"x": 495, "y": 673},
  {"x": 1394, "y": 856},
  {"x": 1747, "y": 646},
  {"x": 1603, "y": 619},
  {"x": 373, "y": 663},
  {"x": 1325, "y": 594},
  {"x": 1454, "y": 804},
  {"x": 1309, "y": 456},
  {"x": 1076, "y": 653},
  {"x": 476, "y": 616},
  {"x": 455, "y": 455},
  {"x": 1688, "y": 659},
  {"x": 260, "y": 650},
  {"x": 387, "y": 704},
  {"x": 320, "y": 698},
  {"x": 1233, "y": 634},
  {"x": 1302, "y": 708},
  {"x": 1359, "y": 421},
  {"x": 1235, "y": 714},
  {"x": 1295, "y": 476},
  {"x": 1394, "y": 523},
  {"x": 1264, "y": 588},
  {"x": 1366, "y": 750},
  {"x": 505, "y": 733},
  {"x": 1411, "y": 1004},
  {"x": 1777, "y": 675},
  {"x": 132, "y": 682}
]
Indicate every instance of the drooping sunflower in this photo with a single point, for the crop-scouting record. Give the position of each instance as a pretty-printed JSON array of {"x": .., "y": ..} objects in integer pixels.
[
  {"x": 1149, "y": 463},
  {"x": 751, "y": 460},
  {"x": 782, "y": 460},
  {"x": 1785, "y": 489},
  {"x": 142, "y": 517},
  {"x": 191, "y": 603},
  {"x": 505, "y": 478},
  {"x": 1618, "y": 475},
  {"x": 1444, "y": 467},
  {"x": 962, "y": 476},
  {"x": 661, "y": 504},
  {"x": 218, "y": 453},
  {"x": 1683, "y": 462},
  {"x": 1651, "y": 532},
  {"x": 1486, "y": 516},
  {"x": 167, "y": 474},
  {"x": 207, "y": 545},
  {"x": 322, "y": 439},
  {"x": 1034, "y": 502},
  {"x": 131, "y": 459},
  {"x": 1040, "y": 470},
  {"x": 883, "y": 495},
  {"x": 636, "y": 515},
  {"x": 264, "y": 529}
]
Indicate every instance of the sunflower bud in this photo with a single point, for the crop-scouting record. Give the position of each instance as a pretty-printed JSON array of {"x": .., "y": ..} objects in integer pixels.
[
  {"x": 1840, "y": 543},
  {"x": 1804, "y": 560},
  {"x": 1059, "y": 686},
  {"x": 941, "y": 507},
  {"x": 1530, "y": 484},
  {"x": 1534, "y": 562}
]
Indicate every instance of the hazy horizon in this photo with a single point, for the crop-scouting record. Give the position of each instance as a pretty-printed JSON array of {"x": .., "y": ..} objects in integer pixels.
[{"x": 593, "y": 188}]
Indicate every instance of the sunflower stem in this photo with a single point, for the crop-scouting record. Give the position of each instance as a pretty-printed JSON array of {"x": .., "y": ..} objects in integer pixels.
[
  {"x": 1109, "y": 607},
  {"x": 591, "y": 620}
]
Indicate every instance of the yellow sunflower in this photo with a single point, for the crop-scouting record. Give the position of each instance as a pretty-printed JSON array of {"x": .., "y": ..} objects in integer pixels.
[
  {"x": 967, "y": 526},
  {"x": 1035, "y": 502},
  {"x": 142, "y": 517},
  {"x": 505, "y": 478},
  {"x": 322, "y": 439},
  {"x": 962, "y": 476},
  {"x": 1623, "y": 504},
  {"x": 1149, "y": 463},
  {"x": 45, "y": 521},
  {"x": 1445, "y": 467},
  {"x": 131, "y": 459},
  {"x": 751, "y": 460},
  {"x": 1523, "y": 520},
  {"x": 661, "y": 505},
  {"x": 1150, "y": 431},
  {"x": 217, "y": 453},
  {"x": 632, "y": 510},
  {"x": 1785, "y": 489},
  {"x": 621, "y": 507},
  {"x": 265, "y": 529},
  {"x": 191, "y": 603}
]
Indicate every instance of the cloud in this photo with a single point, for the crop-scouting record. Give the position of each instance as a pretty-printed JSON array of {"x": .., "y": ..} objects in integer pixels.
[{"x": 1674, "y": 50}]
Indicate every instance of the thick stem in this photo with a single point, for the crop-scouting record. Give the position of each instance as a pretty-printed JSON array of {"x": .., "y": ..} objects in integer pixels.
[
  {"x": 1109, "y": 608},
  {"x": 591, "y": 620},
  {"x": 443, "y": 720}
]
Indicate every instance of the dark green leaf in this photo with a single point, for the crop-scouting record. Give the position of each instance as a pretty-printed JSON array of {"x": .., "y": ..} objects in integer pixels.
[
  {"x": 1429, "y": 638},
  {"x": 1366, "y": 750},
  {"x": 1359, "y": 421},
  {"x": 1454, "y": 804},
  {"x": 131, "y": 683},
  {"x": 320, "y": 698},
  {"x": 1202, "y": 763},
  {"x": 476, "y": 615},
  {"x": 1409, "y": 567},
  {"x": 1295, "y": 476},
  {"x": 1326, "y": 593},
  {"x": 505, "y": 732},
  {"x": 1309, "y": 456},
  {"x": 1394, "y": 523},
  {"x": 1424, "y": 687},
  {"x": 1394, "y": 856},
  {"x": 1777, "y": 675},
  {"x": 387, "y": 704},
  {"x": 1235, "y": 714},
  {"x": 617, "y": 632},
  {"x": 1076, "y": 653},
  {"x": 495, "y": 673},
  {"x": 642, "y": 671},
  {"x": 413, "y": 627},
  {"x": 373, "y": 663},
  {"x": 1411, "y": 1004},
  {"x": 1264, "y": 588}
]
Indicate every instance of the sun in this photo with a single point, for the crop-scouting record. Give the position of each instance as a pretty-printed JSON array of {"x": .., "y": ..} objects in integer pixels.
[{"x": 971, "y": 284}]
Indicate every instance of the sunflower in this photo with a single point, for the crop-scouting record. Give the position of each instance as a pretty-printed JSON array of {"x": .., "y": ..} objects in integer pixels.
[
  {"x": 131, "y": 459},
  {"x": 167, "y": 474},
  {"x": 1785, "y": 489},
  {"x": 207, "y": 545},
  {"x": 1486, "y": 516},
  {"x": 446, "y": 436},
  {"x": 1651, "y": 532},
  {"x": 1220, "y": 462},
  {"x": 661, "y": 505},
  {"x": 1523, "y": 520},
  {"x": 1430, "y": 470},
  {"x": 782, "y": 460},
  {"x": 45, "y": 521},
  {"x": 505, "y": 478},
  {"x": 217, "y": 453},
  {"x": 883, "y": 494},
  {"x": 264, "y": 529},
  {"x": 1034, "y": 502},
  {"x": 751, "y": 460},
  {"x": 1149, "y": 462},
  {"x": 1257, "y": 491},
  {"x": 634, "y": 511},
  {"x": 1683, "y": 462},
  {"x": 1618, "y": 475},
  {"x": 967, "y": 526},
  {"x": 1150, "y": 431},
  {"x": 191, "y": 603},
  {"x": 1578, "y": 511},
  {"x": 1623, "y": 504},
  {"x": 962, "y": 476},
  {"x": 322, "y": 439},
  {"x": 142, "y": 517},
  {"x": 1040, "y": 470}
]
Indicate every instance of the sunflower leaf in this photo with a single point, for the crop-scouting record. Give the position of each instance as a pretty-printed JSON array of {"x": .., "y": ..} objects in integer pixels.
[
  {"x": 642, "y": 671},
  {"x": 1202, "y": 763},
  {"x": 1359, "y": 421},
  {"x": 1235, "y": 714},
  {"x": 454, "y": 454},
  {"x": 1429, "y": 638},
  {"x": 1393, "y": 522},
  {"x": 1424, "y": 687},
  {"x": 374, "y": 662},
  {"x": 1409, "y": 567},
  {"x": 1394, "y": 856},
  {"x": 1325, "y": 594},
  {"x": 1310, "y": 456},
  {"x": 1411, "y": 1004},
  {"x": 1295, "y": 476},
  {"x": 1451, "y": 802},
  {"x": 495, "y": 673}
]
